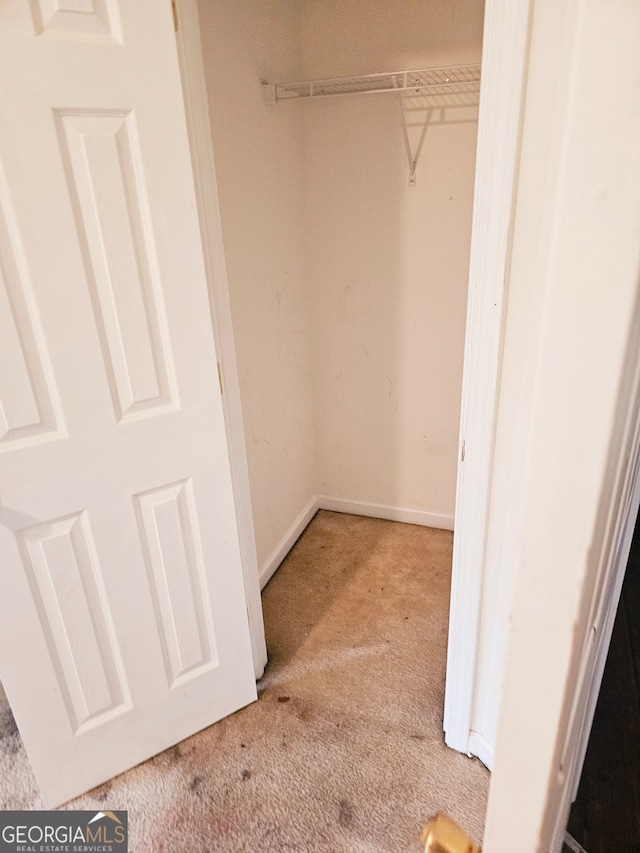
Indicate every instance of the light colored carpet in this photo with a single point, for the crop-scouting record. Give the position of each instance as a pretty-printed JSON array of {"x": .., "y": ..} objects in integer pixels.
[{"x": 344, "y": 749}]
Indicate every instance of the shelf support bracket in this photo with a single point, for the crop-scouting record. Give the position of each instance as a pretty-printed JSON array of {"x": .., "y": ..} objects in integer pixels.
[{"x": 412, "y": 158}]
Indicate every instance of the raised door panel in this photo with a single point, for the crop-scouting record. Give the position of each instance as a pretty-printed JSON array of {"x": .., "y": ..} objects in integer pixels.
[
  {"x": 29, "y": 408},
  {"x": 65, "y": 577},
  {"x": 107, "y": 185},
  {"x": 170, "y": 536},
  {"x": 96, "y": 20}
]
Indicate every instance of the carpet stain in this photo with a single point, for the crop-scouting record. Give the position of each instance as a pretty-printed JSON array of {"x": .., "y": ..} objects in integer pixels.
[
  {"x": 101, "y": 793},
  {"x": 195, "y": 782},
  {"x": 346, "y": 814},
  {"x": 246, "y": 774},
  {"x": 304, "y": 710}
]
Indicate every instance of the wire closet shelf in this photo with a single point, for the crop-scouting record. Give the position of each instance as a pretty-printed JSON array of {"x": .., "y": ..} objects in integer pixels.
[{"x": 457, "y": 80}]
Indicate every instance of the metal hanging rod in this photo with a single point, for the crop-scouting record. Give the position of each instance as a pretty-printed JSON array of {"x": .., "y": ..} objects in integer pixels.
[{"x": 457, "y": 79}]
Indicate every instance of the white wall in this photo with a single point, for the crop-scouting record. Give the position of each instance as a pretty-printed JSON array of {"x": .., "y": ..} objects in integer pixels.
[
  {"x": 342, "y": 37},
  {"x": 259, "y": 166},
  {"x": 388, "y": 264},
  {"x": 347, "y": 287}
]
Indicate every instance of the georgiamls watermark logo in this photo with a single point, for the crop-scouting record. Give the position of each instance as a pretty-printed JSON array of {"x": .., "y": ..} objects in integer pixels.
[{"x": 63, "y": 832}]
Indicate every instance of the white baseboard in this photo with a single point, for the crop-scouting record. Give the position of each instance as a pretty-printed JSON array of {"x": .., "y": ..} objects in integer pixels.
[
  {"x": 482, "y": 747},
  {"x": 444, "y": 521},
  {"x": 371, "y": 510},
  {"x": 287, "y": 542}
]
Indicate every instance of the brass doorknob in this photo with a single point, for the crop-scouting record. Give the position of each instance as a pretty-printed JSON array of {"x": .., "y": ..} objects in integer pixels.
[{"x": 442, "y": 835}]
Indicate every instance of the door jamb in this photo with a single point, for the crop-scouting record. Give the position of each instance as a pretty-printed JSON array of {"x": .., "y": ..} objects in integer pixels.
[
  {"x": 505, "y": 43},
  {"x": 202, "y": 155},
  {"x": 504, "y": 49}
]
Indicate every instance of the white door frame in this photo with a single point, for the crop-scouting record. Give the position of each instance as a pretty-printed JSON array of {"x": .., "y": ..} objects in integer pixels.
[
  {"x": 504, "y": 57},
  {"x": 575, "y": 274},
  {"x": 504, "y": 54},
  {"x": 197, "y": 108}
]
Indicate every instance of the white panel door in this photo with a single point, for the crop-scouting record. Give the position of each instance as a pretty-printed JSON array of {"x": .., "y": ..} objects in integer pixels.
[{"x": 123, "y": 625}]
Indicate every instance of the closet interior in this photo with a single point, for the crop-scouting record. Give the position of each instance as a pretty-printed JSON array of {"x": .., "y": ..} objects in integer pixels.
[{"x": 344, "y": 138}]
